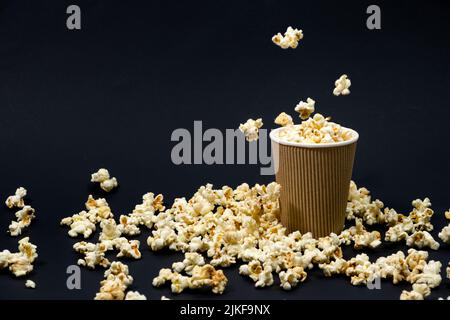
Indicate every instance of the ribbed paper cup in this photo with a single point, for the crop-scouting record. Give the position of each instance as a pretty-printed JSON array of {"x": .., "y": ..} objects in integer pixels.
[{"x": 314, "y": 181}]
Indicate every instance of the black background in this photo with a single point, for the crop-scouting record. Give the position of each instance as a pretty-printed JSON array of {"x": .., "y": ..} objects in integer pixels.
[{"x": 111, "y": 94}]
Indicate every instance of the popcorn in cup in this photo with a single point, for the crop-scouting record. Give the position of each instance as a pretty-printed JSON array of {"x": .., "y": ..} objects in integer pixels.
[{"x": 313, "y": 164}]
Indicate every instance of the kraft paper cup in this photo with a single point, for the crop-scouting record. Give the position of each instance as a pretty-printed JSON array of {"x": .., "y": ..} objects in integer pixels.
[{"x": 314, "y": 181}]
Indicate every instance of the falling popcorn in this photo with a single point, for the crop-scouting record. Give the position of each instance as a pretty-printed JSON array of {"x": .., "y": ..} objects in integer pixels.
[
  {"x": 289, "y": 40},
  {"x": 251, "y": 129},
  {"x": 106, "y": 183},
  {"x": 283, "y": 119},
  {"x": 342, "y": 86},
  {"x": 305, "y": 108}
]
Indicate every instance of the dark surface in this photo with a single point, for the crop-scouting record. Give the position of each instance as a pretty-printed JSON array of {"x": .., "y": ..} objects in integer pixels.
[{"x": 111, "y": 94}]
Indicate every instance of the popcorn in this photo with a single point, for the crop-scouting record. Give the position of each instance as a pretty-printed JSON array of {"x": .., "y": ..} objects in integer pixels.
[
  {"x": 24, "y": 217},
  {"x": 94, "y": 254},
  {"x": 83, "y": 223},
  {"x": 447, "y": 214},
  {"x": 251, "y": 129},
  {"x": 134, "y": 295},
  {"x": 317, "y": 129},
  {"x": 30, "y": 284},
  {"x": 444, "y": 235},
  {"x": 164, "y": 276},
  {"x": 305, "y": 108},
  {"x": 117, "y": 280},
  {"x": 110, "y": 231},
  {"x": 208, "y": 276},
  {"x": 283, "y": 119},
  {"x": 16, "y": 200},
  {"x": 360, "y": 205},
  {"x": 427, "y": 273},
  {"x": 106, "y": 183},
  {"x": 19, "y": 263},
  {"x": 127, "y": 248},
  {"x": 289, "y": 40},
  {"x": 421, "y": 239},
  {"x": 165, "y": 298},
  {"x": 361, "y": 237},
  {"x": 292, "y": 277},
  {"x": 80, "y": 224},
  {"x": 342, "y": 86}
]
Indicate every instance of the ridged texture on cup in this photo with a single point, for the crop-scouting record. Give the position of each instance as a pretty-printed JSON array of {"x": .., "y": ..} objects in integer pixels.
[{"x": 315, "y": 184}]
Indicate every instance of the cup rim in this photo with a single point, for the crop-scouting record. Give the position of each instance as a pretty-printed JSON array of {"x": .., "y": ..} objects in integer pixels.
[{"x": 355, "y": 137}]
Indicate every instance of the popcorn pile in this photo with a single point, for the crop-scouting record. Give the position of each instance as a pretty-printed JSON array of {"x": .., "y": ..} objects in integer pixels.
[
  {"x": 106, "y": 183},
  {"x": 317, "y": 129},
  {"x": 24, "y": 215},
  {"x": 216, "y": 228},
  {"x": 342, "y": 86},
  {"x": 251, "y": 129},
  {"x": 111, "y": 236},
  {"x": 289, "y": 40},
  {"x": 242, "y": 224}
]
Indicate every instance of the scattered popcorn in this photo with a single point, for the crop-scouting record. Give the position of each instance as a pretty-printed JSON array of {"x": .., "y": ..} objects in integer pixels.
[
  {"x": 444, "y": 235},
  {"x": 314, "y": 130},
  {"x": 361, "y": 237},
  {"x": 106, "y": 183},
  {"x": 283, "y": 119},
  {"x": 117, "y": 280},
  {"x": 289, "y": 40},
  {"x": 342, "y": 86},
  {"x": 19, "y": 263},
  {"x": 447, "y": 214},
  {"x": 421, "y": 239},
  {"x": 305, "y": 109},
  {"x": 16, "y": 200},
  {"x": 134, "y": 295},
  {"x": 30, "y": 284},
  {"x": 83, "y": 223},
  {"x": 251, "y": 129},
  {"x": 24, "y": 217}
]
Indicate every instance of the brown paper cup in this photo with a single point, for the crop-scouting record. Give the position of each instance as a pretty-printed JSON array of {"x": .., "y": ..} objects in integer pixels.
[{"x": 314, "y": 183}]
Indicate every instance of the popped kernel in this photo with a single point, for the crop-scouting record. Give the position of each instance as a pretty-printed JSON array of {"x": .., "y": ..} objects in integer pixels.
[
  {"x": 283, "y": 119},
  {"x": 102, "y": 176},
  {"x": 421, "y": 239},
  {"x": 30, "y": 284},
  {"x": 342, "y": 86},
  {"x": 305, "y": 109},
  {"x": 19, "y": 263},
  {"x": 251, "y": 129},
  {"x": 292, "y": 277},
  {"x": 16, "y": 200},
  {"x": 444, "y": 235},
  {"x": 134, "y": 295},
  {"x": 24, "y": 217},
  {"x": 289, "y": 40}
]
